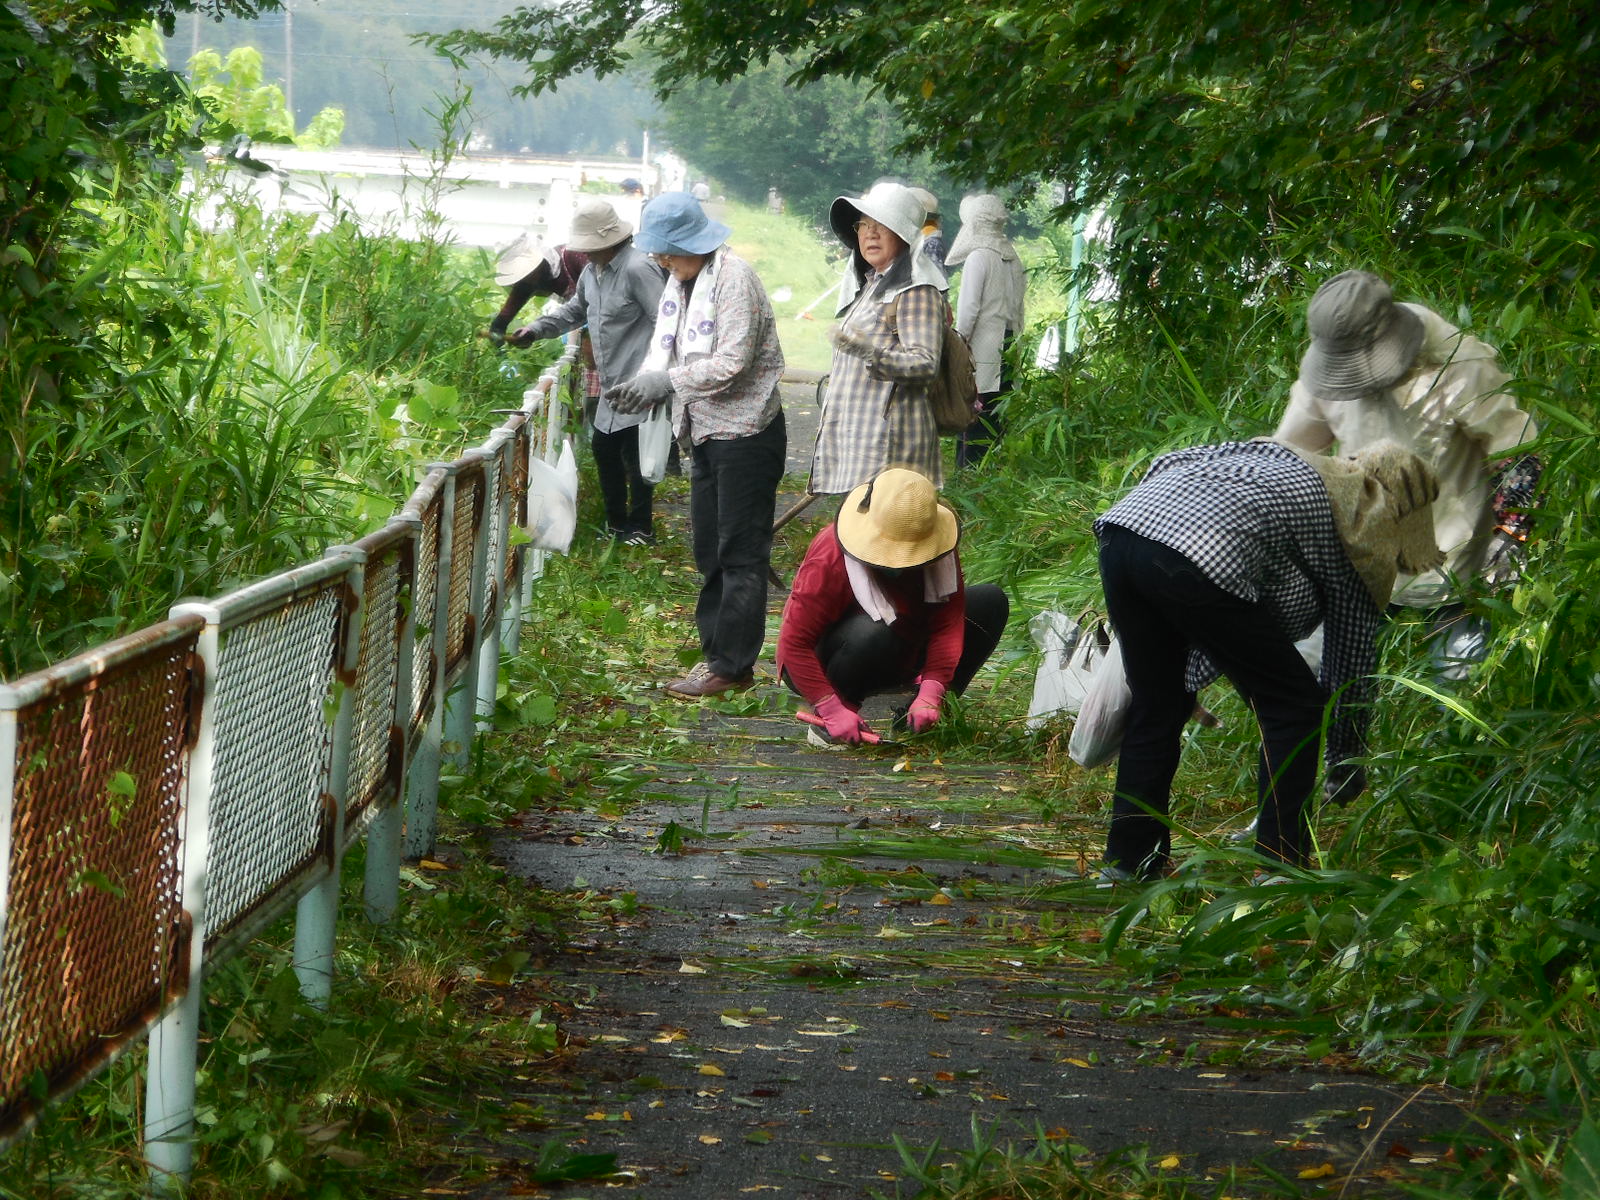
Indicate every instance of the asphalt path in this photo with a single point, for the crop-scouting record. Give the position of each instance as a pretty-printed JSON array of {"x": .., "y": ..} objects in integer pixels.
[{"x": 809, "y": 977}]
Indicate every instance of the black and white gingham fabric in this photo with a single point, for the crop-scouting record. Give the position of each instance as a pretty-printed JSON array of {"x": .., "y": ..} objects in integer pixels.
[{"x": 1255, "y": 519}]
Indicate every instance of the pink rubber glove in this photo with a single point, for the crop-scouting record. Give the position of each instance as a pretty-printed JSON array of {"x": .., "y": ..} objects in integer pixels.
[
  {"x": 843, "y": 723},
  {"x": 924, "y": 711}
]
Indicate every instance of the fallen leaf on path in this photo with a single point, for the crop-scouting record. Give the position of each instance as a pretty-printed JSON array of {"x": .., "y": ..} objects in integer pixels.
[
  {"x": 688, "y": 968},
  {"x": 710, "y": 1139},
  {"x": 1322, "y": 1172},
  {"x": 1169, "y": 1162},
  {"x": 428, "y": 864},
  {"x": 671, "y": 1035},
  {"x": 734, "y": 1022},
  {"x": 939, "y": 898},
  {"x": 711, "y": 1069},
  {"x": 889, "y": 931},
  {"x": 1078, "y": 1062}
]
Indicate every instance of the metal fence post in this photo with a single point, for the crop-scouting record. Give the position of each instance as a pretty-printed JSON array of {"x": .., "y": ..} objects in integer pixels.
[
  {"x": 497, "y": 530},
  {"x": 422, "y": 779},
  {"x": 174, "y": 1048},
  {"x": 461, "y": 701},
  {"x": 317, "y": 913},
  {"x": 381, "y": 883}
]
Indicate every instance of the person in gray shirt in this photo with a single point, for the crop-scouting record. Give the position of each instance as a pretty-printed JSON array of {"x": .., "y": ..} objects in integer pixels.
[{"x": 616, "y": 299}]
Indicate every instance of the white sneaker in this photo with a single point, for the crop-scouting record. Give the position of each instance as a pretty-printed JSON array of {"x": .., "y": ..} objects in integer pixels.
[{"x": 815, "y": 737}]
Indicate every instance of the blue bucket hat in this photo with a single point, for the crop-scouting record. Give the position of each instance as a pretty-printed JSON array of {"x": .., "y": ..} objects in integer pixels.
[{"x": 674, "y": 223}]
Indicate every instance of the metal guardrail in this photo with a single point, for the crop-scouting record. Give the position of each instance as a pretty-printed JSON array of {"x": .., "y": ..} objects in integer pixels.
[{"x": 164, "y": 795}]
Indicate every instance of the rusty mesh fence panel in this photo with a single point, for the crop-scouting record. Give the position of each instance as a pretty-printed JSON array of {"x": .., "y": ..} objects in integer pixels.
[
  {"x": 425, "y": 597},
  {"x": 273, "y": 738},
  {"x": 517, "y": 485},
  {"x": 94, "y": 936},
  {"x": 373, "y": 758},
  {"x": 471, "y": 495}
]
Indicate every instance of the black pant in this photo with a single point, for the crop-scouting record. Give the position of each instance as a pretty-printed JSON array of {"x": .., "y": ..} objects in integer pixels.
[
  {"x": 733, "y": 489},
  {"x": 982, "y": 435},
  {"x": 1161, "y": 605},
  {"x": 626, "y": 493},
  {"x": 863, "y": 657}
]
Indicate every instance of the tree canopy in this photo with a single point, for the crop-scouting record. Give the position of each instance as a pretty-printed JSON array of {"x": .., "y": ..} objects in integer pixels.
[
  {"x": 811, "y": 142},
  {"x": 1200, "y": 125}
]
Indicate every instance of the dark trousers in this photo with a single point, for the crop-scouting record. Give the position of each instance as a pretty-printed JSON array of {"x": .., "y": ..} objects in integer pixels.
[
  {"x": 733, "y": 489},
  {"x": 1161, "y": 605},
  {"x": 982, "y": 434},
  {"x": 626, "y": 493},
  {"x": 863, "y": 657}
]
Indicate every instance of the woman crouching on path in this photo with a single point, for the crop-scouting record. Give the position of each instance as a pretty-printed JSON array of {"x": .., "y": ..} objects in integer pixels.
[{"x": 879, "y": 605}]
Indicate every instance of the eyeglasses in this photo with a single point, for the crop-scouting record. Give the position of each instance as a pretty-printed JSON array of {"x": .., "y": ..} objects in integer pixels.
[
  {"x": 662, "y": 260},
  {"x": 868, "y": 225}
]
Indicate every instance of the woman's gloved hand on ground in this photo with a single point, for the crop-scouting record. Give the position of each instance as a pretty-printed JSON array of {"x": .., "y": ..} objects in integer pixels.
[
  {"x": 843, "y": 723},
  {"x": 927, "y": 707}
]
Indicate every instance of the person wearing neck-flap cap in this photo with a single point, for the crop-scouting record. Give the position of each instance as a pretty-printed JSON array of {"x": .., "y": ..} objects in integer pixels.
[
  {"x": 879, "y": 605},
  {"x": 989, "y": 312},
  {"x": 1379, "y": 369},
  {"x": 886, "y": 345}
]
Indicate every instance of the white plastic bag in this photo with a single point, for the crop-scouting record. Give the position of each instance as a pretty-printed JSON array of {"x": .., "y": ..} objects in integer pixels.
[
  {"x": 553, "y": 501},
  {"x": 1097, "y": 733},
  {"x": 655, "y": 444},
  {"x": 1056, "y": 634}
]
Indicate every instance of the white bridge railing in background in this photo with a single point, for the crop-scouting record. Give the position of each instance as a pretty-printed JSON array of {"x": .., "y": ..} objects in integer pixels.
[{"x": 164, "y": 795}]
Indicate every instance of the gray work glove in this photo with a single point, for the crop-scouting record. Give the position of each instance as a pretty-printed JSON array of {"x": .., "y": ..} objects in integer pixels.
[
  {"x": 641, "y": 393},
  {"x": 1344, "y": 782},
  {"x": 849, "y": 341},
  {"x": 1502, "y": 565}
]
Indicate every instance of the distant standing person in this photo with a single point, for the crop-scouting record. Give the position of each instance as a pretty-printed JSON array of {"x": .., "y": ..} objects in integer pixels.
[
  {"x": 886, "y": 346},
  {"x": 1377, "y": 369},
  {"x": 616, "y": 300},
  {"x": 989, "y": 309},
  {"x": 702, "y": 191},
  {"x": 716, "y": 357},
  {"x": 932, "y": 236}
]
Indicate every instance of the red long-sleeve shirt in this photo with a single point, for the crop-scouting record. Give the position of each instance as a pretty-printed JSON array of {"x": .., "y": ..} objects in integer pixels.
[{"x": 821, "y": 596}]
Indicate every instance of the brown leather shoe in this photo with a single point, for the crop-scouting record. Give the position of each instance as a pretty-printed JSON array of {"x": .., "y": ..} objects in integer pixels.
[{"x": 702, "y": 681}]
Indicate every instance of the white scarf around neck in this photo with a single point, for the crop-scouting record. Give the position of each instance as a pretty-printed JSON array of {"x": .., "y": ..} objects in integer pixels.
[{"x": 938, "y": 585}]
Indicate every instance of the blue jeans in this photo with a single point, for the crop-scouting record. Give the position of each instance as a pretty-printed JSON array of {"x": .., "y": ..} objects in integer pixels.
[
  {"x": 733, "y": 489},
  {"x": 1162, "y": 605}
]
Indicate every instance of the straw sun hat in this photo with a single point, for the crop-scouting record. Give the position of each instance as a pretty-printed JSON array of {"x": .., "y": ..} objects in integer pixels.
[{"x": 896, "y": 521}]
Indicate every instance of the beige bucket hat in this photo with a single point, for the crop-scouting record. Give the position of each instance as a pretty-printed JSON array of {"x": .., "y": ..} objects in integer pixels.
[{"x": 596, "y": 226}]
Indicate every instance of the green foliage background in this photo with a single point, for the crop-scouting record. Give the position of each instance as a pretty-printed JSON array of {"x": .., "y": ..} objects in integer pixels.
[{"x": 180, "y": 411}]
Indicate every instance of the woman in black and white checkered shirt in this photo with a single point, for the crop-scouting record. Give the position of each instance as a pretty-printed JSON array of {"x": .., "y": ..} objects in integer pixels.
[{"x": 1215, "y": 564}]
